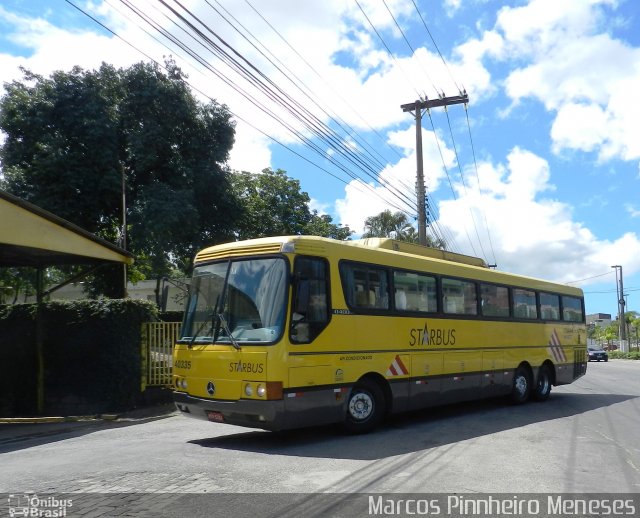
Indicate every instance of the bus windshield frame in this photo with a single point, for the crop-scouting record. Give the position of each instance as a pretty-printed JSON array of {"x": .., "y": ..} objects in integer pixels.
[{"x": 237, "y": 301}]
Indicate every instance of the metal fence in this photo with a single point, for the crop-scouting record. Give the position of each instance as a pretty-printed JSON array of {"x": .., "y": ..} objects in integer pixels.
[{"x": 158, "y": 339}]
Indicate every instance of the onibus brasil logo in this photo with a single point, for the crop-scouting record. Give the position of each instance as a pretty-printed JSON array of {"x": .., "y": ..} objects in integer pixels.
[{"x": 30, "y": 504}]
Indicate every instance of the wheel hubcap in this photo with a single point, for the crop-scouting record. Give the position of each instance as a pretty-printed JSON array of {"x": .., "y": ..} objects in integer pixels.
[
  {"x": 521, "y": 385},
  {"x": 543, "y": 384},
  {"x": 360, "y": 406}
]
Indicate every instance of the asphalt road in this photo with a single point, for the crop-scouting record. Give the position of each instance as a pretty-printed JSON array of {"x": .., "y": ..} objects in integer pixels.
[{"x": 584, "y": 439}]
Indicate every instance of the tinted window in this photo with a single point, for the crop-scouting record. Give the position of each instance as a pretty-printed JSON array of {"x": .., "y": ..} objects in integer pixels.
[
  {"x": 310, "y": 303},
  {"x": 495, "y": 300},
  {"x": 524, "y": 304},
  {"x": 459, "y": 297},
  {"x": 549, "y": 306},
  {"x": 414, "y": 292},
  {"x": 571, "y": 309},
  {"x": 365, "y": 286}
]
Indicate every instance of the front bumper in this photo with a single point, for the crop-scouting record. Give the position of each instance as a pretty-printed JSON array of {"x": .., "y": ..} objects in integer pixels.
[{"x": 268, "y": 415}]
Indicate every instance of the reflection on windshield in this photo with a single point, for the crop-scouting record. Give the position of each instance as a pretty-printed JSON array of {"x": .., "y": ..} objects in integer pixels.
[{"x": 250, "y": 294}]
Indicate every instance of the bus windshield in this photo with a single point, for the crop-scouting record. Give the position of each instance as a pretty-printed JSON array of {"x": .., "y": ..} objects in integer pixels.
[{"x": 236, "y": 301}]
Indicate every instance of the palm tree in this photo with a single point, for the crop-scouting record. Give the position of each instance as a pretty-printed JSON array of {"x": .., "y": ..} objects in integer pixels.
[
  {"x": 397, "y": 226},
  {"x": 387, "y": 224}
]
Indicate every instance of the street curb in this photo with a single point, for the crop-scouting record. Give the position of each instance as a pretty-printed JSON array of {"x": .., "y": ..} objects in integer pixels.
[
  {"x": 52, "y": 419},
  {"x": 124, "y": 417}
]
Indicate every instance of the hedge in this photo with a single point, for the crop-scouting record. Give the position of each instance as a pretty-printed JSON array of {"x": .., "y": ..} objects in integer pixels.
[
  {"x": 619, "y": 355},
  {"x": 91, "y": 354}
]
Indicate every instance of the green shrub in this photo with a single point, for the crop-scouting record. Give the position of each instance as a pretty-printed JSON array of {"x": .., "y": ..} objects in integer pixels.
[
  {"x": 91, "y": 355},
  {"x": 619, "y": 355},
  {"x": 171, "y": 316}
]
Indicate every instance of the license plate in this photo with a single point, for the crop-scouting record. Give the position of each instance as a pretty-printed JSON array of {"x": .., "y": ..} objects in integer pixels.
[{"x": 215, "y": 416}]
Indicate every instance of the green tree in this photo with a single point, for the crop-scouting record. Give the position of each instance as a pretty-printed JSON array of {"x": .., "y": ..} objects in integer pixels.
[
  {"x": 397, "y": 226},
  {"x": 322, "y": 225},
  {"x": 632, "y": 321},
  {"x": 273, "y": 205},
  {"x": 610, "y": 333},
  {"x": 70, "y": 139}
]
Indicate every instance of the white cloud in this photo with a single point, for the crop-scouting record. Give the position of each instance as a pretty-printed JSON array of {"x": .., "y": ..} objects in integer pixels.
[
  {"x": 577, "y": 71},
  {"x": 322, "y": 208},
  {"x": 632, "y": 210},
  {"x": 49, "y": 48},
  {"x": 363, "y": 200},
  {"x": 562, "y": 58},
  {"x": 250, "y": 152},
  {"x": 452, "y": 6},
  {"x": 579, "y": 126},
  {"x": 532, "y": 234}
]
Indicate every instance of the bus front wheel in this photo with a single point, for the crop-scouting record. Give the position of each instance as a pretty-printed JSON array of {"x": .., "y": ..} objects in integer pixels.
[
  {"x": 521, "y": 385},
  {"x": 543, "y": 386},
  {"x": 365, "y": 408}
]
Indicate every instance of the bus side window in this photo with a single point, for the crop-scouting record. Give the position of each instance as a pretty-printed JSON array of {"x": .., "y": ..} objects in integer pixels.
[
  {"x": 572, "y": 309},
  {"x": 549, "y": 306},
  {"x": 459, "y": 297},
  {"x": 310, "y": 305},
  {"x": 365, "y": 287},
  {"x": 524, "y": 304},
  {"x": 495, "y": 300}
]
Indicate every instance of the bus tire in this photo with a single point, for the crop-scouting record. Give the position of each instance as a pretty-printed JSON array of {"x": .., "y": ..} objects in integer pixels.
[
  {"x": 521, "y": 387},
  {"x": 365, "y": 407},
  {"x": 543, "y": 384}
]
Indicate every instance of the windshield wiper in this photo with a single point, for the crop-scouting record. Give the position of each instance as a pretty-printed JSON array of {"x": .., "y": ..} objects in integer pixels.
[
  {"x": 212, "y": 317},
  {"x": 222, "y": 320}
]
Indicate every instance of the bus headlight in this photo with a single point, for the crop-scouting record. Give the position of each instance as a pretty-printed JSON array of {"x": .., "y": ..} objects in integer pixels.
[
  {"x": 183, "y": 384},
  {"x": 262, "y": 391},
  {"x": 248, "y": 390}
]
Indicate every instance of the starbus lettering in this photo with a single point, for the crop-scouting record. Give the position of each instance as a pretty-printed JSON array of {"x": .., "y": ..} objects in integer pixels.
[
  {"x": 431, "y": 336},
  {"x": 253, "y": 368}
]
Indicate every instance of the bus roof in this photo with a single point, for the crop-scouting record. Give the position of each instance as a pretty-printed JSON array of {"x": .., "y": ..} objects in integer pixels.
[
  {"x": 415, "y": 249},
  {"x": 381, "y": 251}
]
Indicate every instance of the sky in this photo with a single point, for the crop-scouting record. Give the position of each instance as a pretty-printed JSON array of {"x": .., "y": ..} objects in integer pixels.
[{"x": 538, "y": 173}]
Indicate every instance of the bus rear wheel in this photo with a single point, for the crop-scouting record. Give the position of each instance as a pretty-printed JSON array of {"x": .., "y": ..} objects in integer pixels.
[
  {"x": 365, "y": 407},
  {"x": 543, "y": 385},
  {"x": 521, "y": 387}
]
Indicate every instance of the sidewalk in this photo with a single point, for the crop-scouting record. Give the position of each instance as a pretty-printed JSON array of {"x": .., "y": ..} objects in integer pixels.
[{"x": 14, "y": 429}]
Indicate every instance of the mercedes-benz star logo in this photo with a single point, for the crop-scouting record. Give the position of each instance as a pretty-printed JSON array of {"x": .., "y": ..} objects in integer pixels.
[{"x": 211, "y": 388}]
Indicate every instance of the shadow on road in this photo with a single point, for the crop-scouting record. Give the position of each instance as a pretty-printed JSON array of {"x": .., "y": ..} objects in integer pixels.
[
  {"x": 414, "y": 431},
  {"x": 14, "y": 437}
]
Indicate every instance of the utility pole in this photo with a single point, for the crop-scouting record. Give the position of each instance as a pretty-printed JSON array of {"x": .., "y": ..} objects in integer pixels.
[
  {"x": 124, "y": 230},
  {"x": 621, "y": 304},
  {"x": 415, "y": 109}
]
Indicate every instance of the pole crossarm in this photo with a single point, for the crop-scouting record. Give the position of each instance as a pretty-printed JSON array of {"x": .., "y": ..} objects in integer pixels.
[{"x": 435, "y": 103}]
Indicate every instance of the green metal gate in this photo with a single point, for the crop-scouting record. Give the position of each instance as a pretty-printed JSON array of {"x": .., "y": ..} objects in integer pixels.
[{"x": 158, "y": 339}]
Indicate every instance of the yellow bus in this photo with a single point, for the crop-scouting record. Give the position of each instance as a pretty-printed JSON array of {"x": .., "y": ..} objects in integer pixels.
[{"x": 295, "y": 331}]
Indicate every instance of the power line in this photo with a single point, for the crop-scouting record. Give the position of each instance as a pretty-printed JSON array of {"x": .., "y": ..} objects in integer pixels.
[
  {"x": 413, "y": 52},
  {"x": 589, "y": 278},
  {"x": 245, "y": 69},
  {"x": 391, "y": 54},
  {"x": 199, "y": 59},
  {"x": 339, "y": 121},
  {"x": 344, "y": 157},
  {"x": 322, "y": 78},
  {"x": 446, "y": 170},
  {"x": 475, "y": 165},
  {"x": 464, "y": 184},
  {"x": 460, "y": 90}
]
